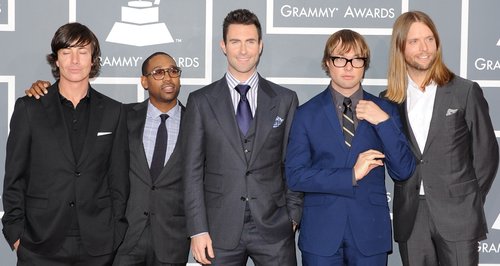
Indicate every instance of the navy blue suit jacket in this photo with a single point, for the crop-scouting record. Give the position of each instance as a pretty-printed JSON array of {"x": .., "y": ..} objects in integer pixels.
[{"x": 320, "y": 164}]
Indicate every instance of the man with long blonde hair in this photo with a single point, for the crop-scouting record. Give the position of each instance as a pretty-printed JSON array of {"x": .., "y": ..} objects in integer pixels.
[{"x": 438, "y": 212}]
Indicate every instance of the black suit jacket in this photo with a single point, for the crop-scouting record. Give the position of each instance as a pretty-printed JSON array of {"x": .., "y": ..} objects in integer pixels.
[
  {"x": 458, "y": 165},
  {"x": 160, "y": 202},
  {"x": 218, "y": 176},
  {"x": 44, "y": 184}
]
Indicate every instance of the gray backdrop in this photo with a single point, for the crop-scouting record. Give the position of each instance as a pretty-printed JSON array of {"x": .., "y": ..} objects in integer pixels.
[{"x": 294, "y": 35}]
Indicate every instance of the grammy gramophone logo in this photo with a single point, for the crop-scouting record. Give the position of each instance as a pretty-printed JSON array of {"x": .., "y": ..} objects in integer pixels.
[
  {"x": 496, "y": 224},
  {"x": 139, "y": 25}
]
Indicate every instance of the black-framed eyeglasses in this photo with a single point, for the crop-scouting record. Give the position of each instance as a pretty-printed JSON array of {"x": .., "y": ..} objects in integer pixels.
[
  {"x": 357, "y": 62},
  {"x": 159, "y": 74}
]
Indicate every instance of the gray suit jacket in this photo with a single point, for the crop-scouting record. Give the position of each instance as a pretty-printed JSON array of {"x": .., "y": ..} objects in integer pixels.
[
  {"x": 458, "y": 165},
  {"x": 160, "y": 202},
  {"x": 218, "y": 176}
]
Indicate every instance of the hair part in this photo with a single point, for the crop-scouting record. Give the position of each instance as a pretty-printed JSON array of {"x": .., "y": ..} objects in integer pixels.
[
  {"x": 145, "y": 64},
  {"x": 242, "y": 17},
  {"x": 74, "y": 35},
  {"x": 344, "y": 41},
  {"x": 397, "y": 76}
]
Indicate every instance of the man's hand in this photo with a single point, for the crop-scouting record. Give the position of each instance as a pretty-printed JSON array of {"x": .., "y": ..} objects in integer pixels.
[
  {"x": 369, "y": 111},
  {"x": 201, "y": 245},
  {"x": 16, "y": 244},
  {"x": 38, "y": 89},
  {"x": 366, "y": 162}
]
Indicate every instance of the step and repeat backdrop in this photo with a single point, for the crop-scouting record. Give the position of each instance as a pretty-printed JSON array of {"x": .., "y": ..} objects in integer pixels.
[{"x": 294, "y": 33}]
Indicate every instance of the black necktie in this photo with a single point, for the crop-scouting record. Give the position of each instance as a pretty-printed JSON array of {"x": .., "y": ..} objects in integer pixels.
[
  {"x": 243, "y": 114},
  {"x": 160, "y": 150},
  {"x": 348, "y": 122}
]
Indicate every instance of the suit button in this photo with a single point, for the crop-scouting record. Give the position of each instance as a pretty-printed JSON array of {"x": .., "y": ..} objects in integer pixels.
[
  {"x": 244, "y": 199},
  {"x": 247, "y": 151},
  {"x": 247, "y": 173},
  {"x": 153, "y": 187},
  {"x": 71, "y": 204},
  {"x": 146, "y": 213},
  {"x": 78, "y": 174}
]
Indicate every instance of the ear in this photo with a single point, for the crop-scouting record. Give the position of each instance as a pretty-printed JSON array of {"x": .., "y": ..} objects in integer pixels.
[
  {"x": 144, "y": 82},
  {"x": 223, "y": 46}
]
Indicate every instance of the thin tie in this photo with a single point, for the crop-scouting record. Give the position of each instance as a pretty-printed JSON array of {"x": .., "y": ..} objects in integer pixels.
[
  {"x": 348, "y": 122},
  {"x": 243, "y": 113},
  {"x": 158, "y": 161}
]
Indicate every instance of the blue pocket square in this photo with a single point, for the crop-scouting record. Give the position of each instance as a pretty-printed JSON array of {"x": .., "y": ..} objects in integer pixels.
[{"x": 277, "y": 122}]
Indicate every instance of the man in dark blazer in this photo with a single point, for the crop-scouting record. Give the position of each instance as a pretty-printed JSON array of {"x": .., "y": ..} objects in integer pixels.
[
  {"x": 155, "y": 210},
  {"x": 237, "y": 202},
  {"x": 66, "y": 182},
  {"x": 339, "y": 163},
  {"x": 438, "y": 212}
]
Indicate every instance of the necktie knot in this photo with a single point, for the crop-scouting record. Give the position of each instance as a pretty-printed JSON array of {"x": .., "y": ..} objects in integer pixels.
[
  {"x": 242, "y": 90},
  {"x": 347, "y": 103},
  {"x": 163, "y": 117}
]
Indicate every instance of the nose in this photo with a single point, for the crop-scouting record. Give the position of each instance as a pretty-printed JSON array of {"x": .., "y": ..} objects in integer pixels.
[{"x": 75, "y": 58}]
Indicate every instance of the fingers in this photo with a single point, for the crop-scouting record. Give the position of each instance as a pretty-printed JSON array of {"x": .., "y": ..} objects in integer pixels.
[
  {"x": 201, "y": 246},
  {"x": 367, "y": 161},
  {"x": 371, "y": 112}
]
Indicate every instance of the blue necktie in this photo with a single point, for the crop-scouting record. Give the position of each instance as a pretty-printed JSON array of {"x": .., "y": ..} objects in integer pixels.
[
  {"x": 243, "y": 113},
  {"x": 348, "y": 122},
  {"x": 158, "y": 161}
]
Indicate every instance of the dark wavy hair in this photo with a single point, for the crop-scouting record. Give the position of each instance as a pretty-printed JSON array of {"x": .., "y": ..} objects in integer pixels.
[
  {"x": 74, "y": 35},
  {"x": 243, "y": 17}
]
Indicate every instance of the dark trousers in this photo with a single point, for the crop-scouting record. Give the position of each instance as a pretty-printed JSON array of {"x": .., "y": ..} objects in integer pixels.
[
  {"x": 426, "y": 247},
  {"x": 143, "y": 253},
  {"x": 347, "y": 254},
  {"x": 253, "y": 246},
  {"x": 71, "y": 253}
]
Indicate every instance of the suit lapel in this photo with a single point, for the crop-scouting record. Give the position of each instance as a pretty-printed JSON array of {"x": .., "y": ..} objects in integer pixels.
[
  {"x": 171, "y": 163},
  {"x": 52, "y": 105},
  {"x": 265, "y": 115},
  {"x": 403, "y": 114},
  {"x": 95, "y": 117},
  {"x": 223, "y": 111},
  {"x": 441, "y": 103},
  {"x": 136, "y": 120},
  {"x": 330, "y": 112}
]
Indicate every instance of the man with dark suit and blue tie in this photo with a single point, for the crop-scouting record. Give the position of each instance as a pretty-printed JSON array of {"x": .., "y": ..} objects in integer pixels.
[
  {"x": 66, "y": 177},
  {"x": 234, "y": 139},
  {"x": 438, "y": 212},
  {"x": 339, "y": 143}
]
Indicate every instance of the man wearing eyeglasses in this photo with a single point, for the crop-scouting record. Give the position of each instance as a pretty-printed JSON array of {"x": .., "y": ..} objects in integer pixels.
[
  {"x": 155, "y": 210},
  {"x": 340, "y": 144}
]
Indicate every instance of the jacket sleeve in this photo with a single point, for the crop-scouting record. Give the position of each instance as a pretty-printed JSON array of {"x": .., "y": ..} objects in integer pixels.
[
  {"x": 484, "y": 143},
  {"x": 17, "y": 166}
]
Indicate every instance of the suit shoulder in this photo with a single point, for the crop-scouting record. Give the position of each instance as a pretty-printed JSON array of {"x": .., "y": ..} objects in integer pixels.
[{"x": 106, "y": 99}]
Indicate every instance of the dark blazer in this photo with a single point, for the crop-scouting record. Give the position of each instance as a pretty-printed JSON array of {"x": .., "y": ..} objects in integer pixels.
[
  {"x": 160, "y": 202},
  {"x": 319, "y": 163},
  {"x": 458, "y": 165},
  {"x": 218, "y": 176},
  {"x": 44, "y": 184}
]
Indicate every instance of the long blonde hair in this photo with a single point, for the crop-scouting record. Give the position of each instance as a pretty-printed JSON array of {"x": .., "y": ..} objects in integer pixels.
[{"x": 397, "y": 79}]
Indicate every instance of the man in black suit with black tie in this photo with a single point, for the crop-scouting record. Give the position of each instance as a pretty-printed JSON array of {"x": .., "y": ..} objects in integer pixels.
[
  {"x": 155, "y": 210},
  {"x": 66, "y": 183}
]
